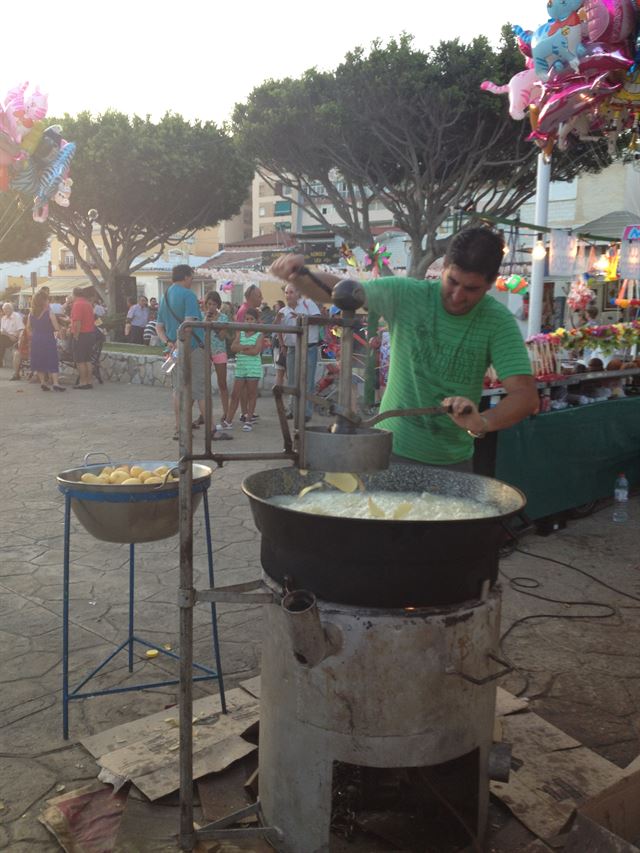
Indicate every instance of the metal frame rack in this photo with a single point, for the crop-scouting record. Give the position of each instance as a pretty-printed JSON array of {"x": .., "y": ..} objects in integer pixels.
[
  {"x": 68, "y": 695},
  {"x": 294, "y": 450}
]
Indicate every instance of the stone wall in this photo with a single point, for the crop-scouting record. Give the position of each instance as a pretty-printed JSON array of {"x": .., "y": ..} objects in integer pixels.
[{"x": 138, "y": 369}]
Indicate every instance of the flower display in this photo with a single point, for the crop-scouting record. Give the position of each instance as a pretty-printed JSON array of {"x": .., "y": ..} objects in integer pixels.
[{"x": 609, "y": 339}]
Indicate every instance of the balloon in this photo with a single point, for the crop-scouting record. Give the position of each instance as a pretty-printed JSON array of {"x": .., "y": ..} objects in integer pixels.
[
  {"x": 610, "y": 20},
  {"x": 572, "y": 101},
  {"x": 586, "y": 64},
  {"x": 523, "y": 90},
  {"x": 558, "y": 43}
]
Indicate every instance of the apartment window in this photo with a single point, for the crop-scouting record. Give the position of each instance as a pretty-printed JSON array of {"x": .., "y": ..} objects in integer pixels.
[
  {"x": 264, "y": 189},
  {"x": 67, "y": 261},
  {"x": 282, "y": 208},
  {"x": 286, "y": 190},
  {"x": 262, "y": 211},
  {"x": 283, "y": 226}
]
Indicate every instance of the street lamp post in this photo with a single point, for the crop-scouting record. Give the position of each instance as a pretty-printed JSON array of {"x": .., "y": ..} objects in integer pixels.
[{"x": 536, "y": 285}]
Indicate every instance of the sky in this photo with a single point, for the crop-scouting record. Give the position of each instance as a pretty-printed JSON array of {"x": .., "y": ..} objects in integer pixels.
[{"x": 200, "y": 57}]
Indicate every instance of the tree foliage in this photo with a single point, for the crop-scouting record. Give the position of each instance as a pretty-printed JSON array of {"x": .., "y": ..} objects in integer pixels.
[
  {"x": 21, "y": 239},
  {"x": 407, "y": 127},
  {"x": 151, "y": 185}
]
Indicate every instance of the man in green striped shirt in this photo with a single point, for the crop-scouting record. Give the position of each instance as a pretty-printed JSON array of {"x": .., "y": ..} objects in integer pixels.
[{"x": 444, "y": 335}]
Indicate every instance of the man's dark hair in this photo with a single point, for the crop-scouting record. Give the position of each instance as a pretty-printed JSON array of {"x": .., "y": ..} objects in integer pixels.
[
  {"x": 180, "y": 272},
  {"x": 250, "y": 290},
  {"x": 478, "y": 250},
  {"x": 77, "y": 291}
]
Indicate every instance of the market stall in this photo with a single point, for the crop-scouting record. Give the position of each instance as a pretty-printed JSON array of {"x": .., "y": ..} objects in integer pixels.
[{"x": 588, "y": 428}]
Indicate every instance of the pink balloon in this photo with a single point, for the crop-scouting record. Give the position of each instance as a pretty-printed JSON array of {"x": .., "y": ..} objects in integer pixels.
[
  {"x": 610, "y": 21},
  {"x": 573, "y": 100}
]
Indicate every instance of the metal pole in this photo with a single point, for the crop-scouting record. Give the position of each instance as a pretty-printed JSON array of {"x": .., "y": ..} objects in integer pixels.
[
  {"x": 214, "y": 615},
  {"x": 536, "y": 287},
  {"x": 346, "y": 361},
  {"x": 132, "y": 586},
  {"x": 186, "y": 594},
  {"x": 65, "y": 619}
]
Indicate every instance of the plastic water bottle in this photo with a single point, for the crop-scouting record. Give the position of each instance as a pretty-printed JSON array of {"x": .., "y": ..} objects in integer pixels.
[{"x": 621, "y": 498}]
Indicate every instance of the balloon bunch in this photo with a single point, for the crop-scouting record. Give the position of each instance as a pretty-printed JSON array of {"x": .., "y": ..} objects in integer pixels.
[
  {"x": 226, "y": 286},
  {"x": 377, "y": 258},
  {"x": 580, "y": 294},
  {"x": 582, "y": 77},
  {"x": 514, "y": 284},
  {"x": 34, "y": 159}
]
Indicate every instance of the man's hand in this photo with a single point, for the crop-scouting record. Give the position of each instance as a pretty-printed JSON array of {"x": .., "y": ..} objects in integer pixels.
[
  {"x": 287, "y": 267},
  {"x": 472, "y": 420}
]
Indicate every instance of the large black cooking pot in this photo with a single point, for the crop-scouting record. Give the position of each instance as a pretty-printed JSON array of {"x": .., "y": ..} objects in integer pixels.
[{"x": 379, "y": 563}]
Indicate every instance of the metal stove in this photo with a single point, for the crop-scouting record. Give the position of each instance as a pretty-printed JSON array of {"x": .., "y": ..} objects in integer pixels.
[{"x": 371, "y": 688}]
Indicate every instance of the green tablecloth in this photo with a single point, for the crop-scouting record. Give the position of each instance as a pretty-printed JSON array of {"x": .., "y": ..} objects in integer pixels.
[{"x": 568, "y": 458}]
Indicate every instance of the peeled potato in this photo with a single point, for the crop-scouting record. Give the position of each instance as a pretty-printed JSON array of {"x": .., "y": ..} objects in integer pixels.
[
  {"x": 90, "y": 478},
  {"x": 118, "y": 477},
  {"x": 144, "y": 476},
  {"x": 106, "y": 471},
  {"x": 342, "y": 482},
  {"x": 123, "y": 468},
  {"x": 172, "y": 479},
  {"x": 152, "y": 480},
  {"x": 136, "y": 470},
  {"x": 131, "y": 481},
  {"x": 160, "y": 471},
  {"x": 104, "y": 479}
]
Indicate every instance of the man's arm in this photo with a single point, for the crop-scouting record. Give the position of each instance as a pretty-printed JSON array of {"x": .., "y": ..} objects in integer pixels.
[
  {"x": 520, "y": 402},
  {"x": 287, "y": 267}
]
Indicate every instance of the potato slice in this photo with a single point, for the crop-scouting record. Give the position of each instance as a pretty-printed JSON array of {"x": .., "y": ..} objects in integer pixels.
[
  {"x": 131, "y": 481},
  {"x": 118, "y": 477},
  {"x": 375, "y": 510},
  {"x": 343, "y": 482},
  {"x": 311, "y": 488},
  {"x": 402, "y": 510}
]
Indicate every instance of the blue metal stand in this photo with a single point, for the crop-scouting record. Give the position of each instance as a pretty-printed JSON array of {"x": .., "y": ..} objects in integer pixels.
[{"x": 75, "y": 693}]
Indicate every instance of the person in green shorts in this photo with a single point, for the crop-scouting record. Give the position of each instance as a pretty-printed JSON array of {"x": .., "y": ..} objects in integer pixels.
[
  {"x": 248, "y": 349},
  {"x": 444, "y": 335}
]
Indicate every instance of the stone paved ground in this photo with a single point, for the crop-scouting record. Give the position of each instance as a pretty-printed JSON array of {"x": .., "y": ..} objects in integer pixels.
[{"x": 583, "y": 673}]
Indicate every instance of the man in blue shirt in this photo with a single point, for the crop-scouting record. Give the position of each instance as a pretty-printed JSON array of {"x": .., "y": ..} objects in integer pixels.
[{"x": 179, "y": 304}]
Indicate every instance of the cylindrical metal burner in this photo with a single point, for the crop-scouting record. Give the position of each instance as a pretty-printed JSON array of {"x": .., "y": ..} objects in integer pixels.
[
  {"x": 374, "y": 563},
  {"x": 398, "y": 692}
]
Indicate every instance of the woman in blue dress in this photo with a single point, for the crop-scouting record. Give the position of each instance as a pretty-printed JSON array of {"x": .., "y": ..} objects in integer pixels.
[{"x": 44, "y": 350}]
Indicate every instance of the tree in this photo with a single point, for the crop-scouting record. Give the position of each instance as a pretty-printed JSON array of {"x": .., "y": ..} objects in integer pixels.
[
  {"x": 21, "y": 239},
  {"x": 409, "y": 128},
  {"x": 139, "y": 187}
]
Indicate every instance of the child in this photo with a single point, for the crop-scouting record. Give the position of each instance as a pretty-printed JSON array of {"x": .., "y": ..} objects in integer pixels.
[{"x": 248, "y": 371}]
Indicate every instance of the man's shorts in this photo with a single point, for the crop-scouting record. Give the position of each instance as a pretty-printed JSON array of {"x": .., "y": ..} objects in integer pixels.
[
  {"x": 197, "y": 374},
  {"x": 83, "y": 347}
]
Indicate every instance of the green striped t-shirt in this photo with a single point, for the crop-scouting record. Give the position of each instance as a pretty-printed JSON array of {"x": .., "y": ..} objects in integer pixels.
[{"x": 436, "y": 355}]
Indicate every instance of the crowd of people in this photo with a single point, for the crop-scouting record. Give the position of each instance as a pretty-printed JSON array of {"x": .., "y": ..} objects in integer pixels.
[
  {"x": 180, "y": 303},
  {"x": 48, "y": 333}
]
